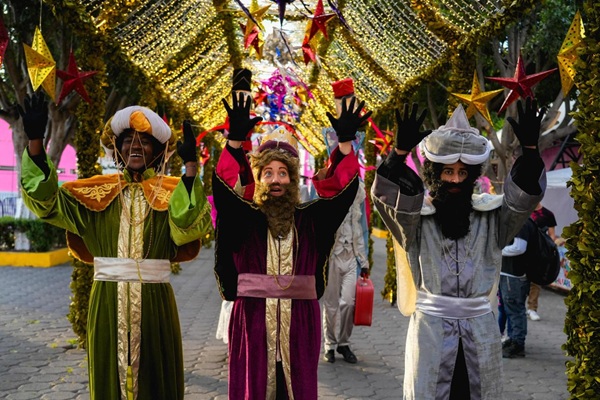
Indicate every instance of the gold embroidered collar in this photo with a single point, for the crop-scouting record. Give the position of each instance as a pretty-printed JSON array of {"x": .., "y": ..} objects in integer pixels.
[{"x": 98, "y": 192}]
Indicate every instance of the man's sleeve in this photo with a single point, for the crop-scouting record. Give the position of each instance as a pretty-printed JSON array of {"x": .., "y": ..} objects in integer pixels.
[
  {"x": 189, "y": 213},
  {"x": 39, "y": 187},
  {"x": 398, "y": 194},
  {"x": 524, "y": 188}
]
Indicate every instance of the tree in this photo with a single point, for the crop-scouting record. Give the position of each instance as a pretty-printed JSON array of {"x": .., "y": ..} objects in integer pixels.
[
  {"x": 21, "y": 22},
  {"x": 537, "y": 38},
  {"x": 64, "y": 31},
  {"x": 66, "y": 26}
]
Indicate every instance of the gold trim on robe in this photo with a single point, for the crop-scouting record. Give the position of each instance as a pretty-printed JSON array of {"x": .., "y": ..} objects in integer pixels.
[
  {"x": 278, "y": 313},
  {"x": 100, "y": 191},
  {"x": 129, "y": 316}
]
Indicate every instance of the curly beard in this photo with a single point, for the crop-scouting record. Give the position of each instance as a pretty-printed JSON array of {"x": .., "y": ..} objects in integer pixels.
[
  {"x": 279, "y": 210},
  {"x": 453, "y": 210}
]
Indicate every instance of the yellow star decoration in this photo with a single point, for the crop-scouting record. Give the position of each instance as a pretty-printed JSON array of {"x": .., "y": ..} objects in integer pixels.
[
  {"x": 40, "y": 64},
  {"x": 477, "y": 100},
  {"x": 258, "y": 14},
  {"x": 567, "y": 55}
]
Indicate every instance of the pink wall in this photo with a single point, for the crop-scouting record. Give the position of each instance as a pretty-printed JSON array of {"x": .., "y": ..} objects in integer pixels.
[{"x": 8, "y": 176}]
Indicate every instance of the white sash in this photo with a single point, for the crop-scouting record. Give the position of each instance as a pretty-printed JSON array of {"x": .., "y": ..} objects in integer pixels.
[
  {"x": 114, "y": 269},
  {"x": 452, "y": 307}
]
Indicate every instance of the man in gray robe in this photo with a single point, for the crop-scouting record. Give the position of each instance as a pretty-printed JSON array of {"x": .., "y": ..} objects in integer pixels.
[{"x": 448, "y": 248}]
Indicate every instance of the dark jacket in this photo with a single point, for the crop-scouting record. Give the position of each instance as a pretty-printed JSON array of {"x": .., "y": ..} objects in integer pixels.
[{"x": 517, "y": 265}]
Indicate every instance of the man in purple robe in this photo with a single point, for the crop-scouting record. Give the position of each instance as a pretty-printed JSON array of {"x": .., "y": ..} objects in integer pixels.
[{"x": 271, "y": 253}]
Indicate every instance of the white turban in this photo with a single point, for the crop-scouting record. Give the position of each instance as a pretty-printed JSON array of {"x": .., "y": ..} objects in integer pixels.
[
  {"x": 140, "y": 119},
  {"x": 456, "y": 141},
  {"x": 130, "y": 117}
]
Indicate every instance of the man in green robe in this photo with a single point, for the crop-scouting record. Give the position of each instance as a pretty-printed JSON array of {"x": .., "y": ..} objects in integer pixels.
[{"x": 131, "y": 226}]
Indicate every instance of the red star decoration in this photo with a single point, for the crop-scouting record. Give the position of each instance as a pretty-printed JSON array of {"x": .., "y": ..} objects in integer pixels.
[
  {"x": 319, "y": 20},
  {"x": 73, "y": 80},
  {"x": 260, "y": 96},
  {"x": 520, "y": 84},
  {"x": 383, "y": 141},
  {"x": 308, "y": 52},
  {"x": 253, "y": 39},
  {"x": 204, "y": 154}
]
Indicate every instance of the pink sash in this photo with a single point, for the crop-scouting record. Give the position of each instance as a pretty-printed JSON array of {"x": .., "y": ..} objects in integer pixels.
[{"x": 298, "y": 287}]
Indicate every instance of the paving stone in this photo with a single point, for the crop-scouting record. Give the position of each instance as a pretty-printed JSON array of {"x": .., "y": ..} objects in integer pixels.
[{"x": 37, "y": 361}]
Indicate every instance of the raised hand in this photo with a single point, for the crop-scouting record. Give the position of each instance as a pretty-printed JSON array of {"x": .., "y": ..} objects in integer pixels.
[
  {"x": 35, "y": 115},
  {"x": 240, "y": 123},
  {"x": 527, "y": 130},
  {"x": 187, "y": 149},
  {"x": 409, "y": 133},
  {"x": 349, "y": 121}
]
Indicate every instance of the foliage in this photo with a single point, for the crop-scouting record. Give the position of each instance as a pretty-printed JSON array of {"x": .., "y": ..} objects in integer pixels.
[
  {"x": 582, "y": 322},
  {"x": 7, "y": 233},
  {"x": 371, "y": 159},
  {"x": 175, "y": 268},
  {"x": 82, "y": 278},
  {"x": 390, "y": 289},
  {"x": 41, "y": 235},
  {"x": 376, "y": 221}
]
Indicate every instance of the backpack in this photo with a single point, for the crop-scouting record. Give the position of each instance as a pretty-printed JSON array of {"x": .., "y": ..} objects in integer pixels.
[{"x": 543, "y": 259}]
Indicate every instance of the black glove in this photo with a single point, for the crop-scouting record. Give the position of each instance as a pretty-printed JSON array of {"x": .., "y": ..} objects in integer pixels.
[
  {"x": 364, "y": 272},
  {"x": 187, "y": 149},
  {"x": 349, "y": 121},
  {"x": 527, "y": 130},
  {"x": 35, "y": 115},
  {"x": 408, "y": 134},
  {"x": 240, "y": 123}
]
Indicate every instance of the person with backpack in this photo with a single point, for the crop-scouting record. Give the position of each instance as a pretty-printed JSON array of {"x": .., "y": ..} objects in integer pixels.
[
  {"x": 514, "y": 288},
  {"x": 545, "y": 220}
]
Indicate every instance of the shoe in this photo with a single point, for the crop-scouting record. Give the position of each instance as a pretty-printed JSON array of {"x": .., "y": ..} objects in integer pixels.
[
  {"x": 347, "y": 354},
  {"x": 533, "y": 315},
  {"x": 329, "y": 356},
  {"x": 506, "y": 343},
  {"x": 514, "y": 350}
]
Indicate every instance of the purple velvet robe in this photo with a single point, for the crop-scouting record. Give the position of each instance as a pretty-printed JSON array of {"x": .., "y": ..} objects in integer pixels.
[{"x": 241, "y": 247}]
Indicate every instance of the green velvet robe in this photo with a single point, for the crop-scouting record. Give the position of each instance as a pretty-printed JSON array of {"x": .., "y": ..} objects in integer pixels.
[{"x": 101, "y": 216}]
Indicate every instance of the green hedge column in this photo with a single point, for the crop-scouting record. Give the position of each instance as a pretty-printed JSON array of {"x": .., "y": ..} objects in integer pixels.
[
  {"x": 87, "y": 143},
  {"x": 582, "y": 323}
]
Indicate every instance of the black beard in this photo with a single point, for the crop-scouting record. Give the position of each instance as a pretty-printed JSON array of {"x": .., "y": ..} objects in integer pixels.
[
  {"x": 279, "y": 210},
  {"x": 453, "y": 210}
]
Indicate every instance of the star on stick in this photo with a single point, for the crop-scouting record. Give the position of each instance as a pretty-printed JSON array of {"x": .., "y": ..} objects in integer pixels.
[
  {"x": 40, "y": 64},
  {"x": 73, "y": 80},
  {"x": 520, "y": 84},
  {"x": 477, "y": 100},
  {"x": 567, "y": 55},
  {"x": 319, "y": 20}
]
